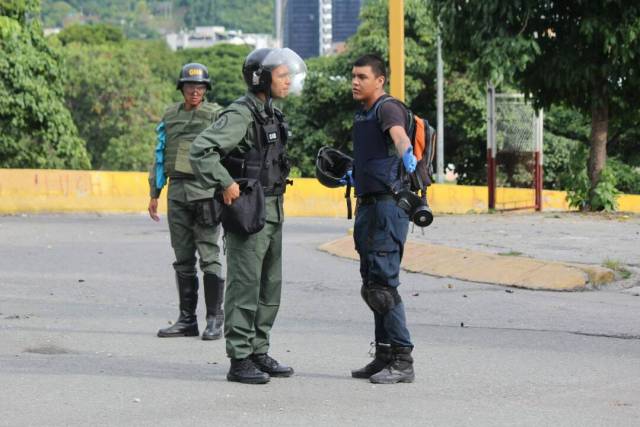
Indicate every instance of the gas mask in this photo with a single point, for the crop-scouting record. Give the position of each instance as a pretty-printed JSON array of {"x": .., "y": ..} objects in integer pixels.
[{"x": 416, "y": 207}]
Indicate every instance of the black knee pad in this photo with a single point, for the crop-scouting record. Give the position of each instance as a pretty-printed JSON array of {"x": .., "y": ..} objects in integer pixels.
[{"x": 380, "y": 298}]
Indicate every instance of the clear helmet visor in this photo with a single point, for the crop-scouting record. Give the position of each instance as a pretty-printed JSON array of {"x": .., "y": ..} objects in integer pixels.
[{"x": 294, "y": 66}]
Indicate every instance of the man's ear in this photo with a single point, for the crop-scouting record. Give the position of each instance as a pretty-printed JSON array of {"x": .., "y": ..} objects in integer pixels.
[{"x": 380, "y": 80}]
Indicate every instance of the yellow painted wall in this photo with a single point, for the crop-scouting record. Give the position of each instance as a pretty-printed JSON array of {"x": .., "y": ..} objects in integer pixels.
[{"x": 37, "y": 190}]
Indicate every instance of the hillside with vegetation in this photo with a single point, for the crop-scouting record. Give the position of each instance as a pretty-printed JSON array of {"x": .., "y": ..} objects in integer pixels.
[{"x": 150, "y": 18}]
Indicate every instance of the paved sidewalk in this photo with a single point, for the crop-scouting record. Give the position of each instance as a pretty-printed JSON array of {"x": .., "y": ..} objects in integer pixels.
[
  {"x": 475, "y": 266},
  {"x": 564, "y": 252}
]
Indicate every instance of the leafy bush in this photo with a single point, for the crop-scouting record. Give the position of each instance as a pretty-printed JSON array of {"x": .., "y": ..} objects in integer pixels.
[
  {"x": 558, "y": 152},
  {"x": 604, "y": 196},
  {"x": 576, "y": 182},
  {"x": 627, "y": 177}
]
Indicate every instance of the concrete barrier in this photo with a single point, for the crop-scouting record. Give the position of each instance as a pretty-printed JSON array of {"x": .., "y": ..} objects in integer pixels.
[{"x": 40, "y": 190}]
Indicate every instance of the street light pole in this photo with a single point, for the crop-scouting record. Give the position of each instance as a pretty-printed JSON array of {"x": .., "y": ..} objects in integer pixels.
[
  {"x": 278, "y": 17},
  {"x": 396, "y": 48},
  {"x": 440, "y": 115}
]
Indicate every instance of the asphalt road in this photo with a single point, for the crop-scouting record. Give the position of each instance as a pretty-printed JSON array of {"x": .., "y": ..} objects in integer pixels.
[{"x": 82, "y": 296}]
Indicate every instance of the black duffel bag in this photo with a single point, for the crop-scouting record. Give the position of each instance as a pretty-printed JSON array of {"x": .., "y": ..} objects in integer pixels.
[{"x": 246, "y": 215}]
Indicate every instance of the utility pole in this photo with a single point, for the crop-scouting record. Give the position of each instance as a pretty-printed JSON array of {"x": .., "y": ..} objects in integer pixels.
[
  {"x": 278, "y": 17},
  {"x": 396, "y": 48},
  {"x": 440, "y": 115}
]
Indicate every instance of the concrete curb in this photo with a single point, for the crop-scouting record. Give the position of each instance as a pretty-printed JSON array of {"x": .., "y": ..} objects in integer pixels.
[{"x": 474, "y": 266}]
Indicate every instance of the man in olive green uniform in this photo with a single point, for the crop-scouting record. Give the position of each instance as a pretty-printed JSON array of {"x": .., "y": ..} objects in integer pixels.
[
  {"x": 192, "y": 223},
  {"x": 248, "y": 141}
]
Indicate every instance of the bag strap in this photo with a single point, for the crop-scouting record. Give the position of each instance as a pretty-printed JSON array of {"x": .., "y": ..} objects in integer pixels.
[
  {"x": 347, "y": 196},
  {"x": 410, "y": 119}
]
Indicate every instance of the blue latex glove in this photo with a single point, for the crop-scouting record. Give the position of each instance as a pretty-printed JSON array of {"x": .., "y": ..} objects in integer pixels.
[
  {"x": 348, "y": 179},
  {"x": 409, "y": 160}
]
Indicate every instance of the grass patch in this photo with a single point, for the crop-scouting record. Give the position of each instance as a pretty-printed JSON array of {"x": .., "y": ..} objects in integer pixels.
[
  {"x": 510, "y": 253},
  {"x": 615, "y": 265}
]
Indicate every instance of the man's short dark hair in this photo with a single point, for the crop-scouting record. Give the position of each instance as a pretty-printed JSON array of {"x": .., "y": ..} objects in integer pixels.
[{"x": 375, "y": 62}]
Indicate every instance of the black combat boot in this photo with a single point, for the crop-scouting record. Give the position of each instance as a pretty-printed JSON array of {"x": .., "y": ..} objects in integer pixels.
[
  {"x": 271, "y": 366},
  {"x": 244, "y": 371},
  {"x": 381, "y": 359},
  {"x": 213, "y": 295},
  {"x": 400, "y": 370},
  {"x": 187, "y": 323}
]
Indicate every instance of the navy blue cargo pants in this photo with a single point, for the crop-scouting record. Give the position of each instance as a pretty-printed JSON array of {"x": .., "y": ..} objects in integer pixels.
[{"x": 380, "y": 233}]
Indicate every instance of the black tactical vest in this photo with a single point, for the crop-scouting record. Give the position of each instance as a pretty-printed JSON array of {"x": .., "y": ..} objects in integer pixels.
[
  {"x": 376, "y": 167},
  {"x": 267, "y": 160}
]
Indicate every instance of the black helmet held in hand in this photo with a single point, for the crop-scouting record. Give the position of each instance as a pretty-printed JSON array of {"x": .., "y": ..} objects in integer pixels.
[
  {"x": 331, "y": 167},
  {"x": 194, "y": 73}
]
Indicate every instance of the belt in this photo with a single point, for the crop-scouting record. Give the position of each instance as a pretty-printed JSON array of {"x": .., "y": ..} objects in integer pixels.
[{"x": 374, "y": 198}]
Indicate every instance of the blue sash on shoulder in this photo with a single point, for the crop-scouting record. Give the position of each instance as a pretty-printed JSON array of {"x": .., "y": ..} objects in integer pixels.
[{"x": 161, "y": 137}]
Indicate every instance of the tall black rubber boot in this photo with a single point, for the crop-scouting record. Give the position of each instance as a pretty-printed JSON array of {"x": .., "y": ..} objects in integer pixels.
[
  {"x": 400, "y": 370},
  {"x": 187, "y": 323},
  {"x": 381, "y": 359},
  {"x": 213, "y": 297}
]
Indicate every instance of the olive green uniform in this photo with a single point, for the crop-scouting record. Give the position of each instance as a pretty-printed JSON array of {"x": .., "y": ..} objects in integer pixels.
[
  {"x": 188, "y": 233},
  {"x": 254, "y": 262}
]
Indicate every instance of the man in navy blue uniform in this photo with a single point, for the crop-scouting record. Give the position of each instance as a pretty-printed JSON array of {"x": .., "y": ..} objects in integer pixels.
[{"x": 382, "y": 149}]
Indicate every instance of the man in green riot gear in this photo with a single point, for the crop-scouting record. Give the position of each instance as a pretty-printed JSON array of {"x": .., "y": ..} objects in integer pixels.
[
  {"x": 193, "y": 226},
  {"x": 248, "y": 141}
]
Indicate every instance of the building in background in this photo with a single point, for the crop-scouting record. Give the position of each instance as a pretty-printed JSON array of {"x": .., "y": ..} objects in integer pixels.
[
  {"x": 317, "y": 27},
  {"x": 326, "y": 26},
  {"x": 301, "y": 27},
  {"x": 345, "y": 21},
  {"x": 209, "y": 36}
]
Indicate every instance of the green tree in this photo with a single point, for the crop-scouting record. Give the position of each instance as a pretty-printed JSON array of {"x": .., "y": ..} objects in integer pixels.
[
  {"x": 324, "y": 114},
  {"x": 36, "y": 130},
  {"x": 251, "y": 16},
  {"x": 56, "y": 13},
  {"x": 165, "y": 64},
  {"x": 581, "y": 54},
  {"x": 116, "y": 102},
  {"x": 91, "y": 34}
]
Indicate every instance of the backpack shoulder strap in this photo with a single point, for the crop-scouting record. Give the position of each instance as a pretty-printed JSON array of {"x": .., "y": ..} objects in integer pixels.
[
  {"x": 410, "y": 120},
  {"x": 381, "y": 102}
]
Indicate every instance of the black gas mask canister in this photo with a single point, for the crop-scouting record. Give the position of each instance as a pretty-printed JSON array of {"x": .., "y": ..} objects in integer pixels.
[{"x": 416, "y": 206}]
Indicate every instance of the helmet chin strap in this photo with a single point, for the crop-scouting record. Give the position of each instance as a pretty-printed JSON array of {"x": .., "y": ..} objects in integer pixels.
[{"x": 268, "y": 105}]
